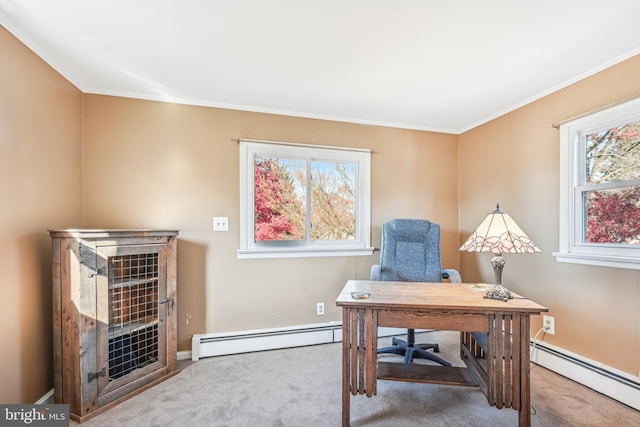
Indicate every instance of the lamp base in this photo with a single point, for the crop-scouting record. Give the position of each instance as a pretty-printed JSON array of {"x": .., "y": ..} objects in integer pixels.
[{"x": 498, "y": 292}]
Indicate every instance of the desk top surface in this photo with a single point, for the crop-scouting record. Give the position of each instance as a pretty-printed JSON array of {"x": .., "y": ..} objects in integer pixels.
[{"x": 431, "y": 296}]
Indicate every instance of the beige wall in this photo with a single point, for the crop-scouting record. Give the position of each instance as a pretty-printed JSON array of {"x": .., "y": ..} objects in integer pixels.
[
  {"x": 40, "y": 188},
  {"x": 160, "y": 165},
  {"x": 514, "y": 160}
]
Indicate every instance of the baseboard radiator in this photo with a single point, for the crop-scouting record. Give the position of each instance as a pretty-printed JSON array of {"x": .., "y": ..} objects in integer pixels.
[{"x": 219, "y": 344}]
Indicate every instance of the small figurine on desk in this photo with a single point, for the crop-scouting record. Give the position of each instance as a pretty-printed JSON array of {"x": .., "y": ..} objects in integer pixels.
[{"x": 498, "y": 292}]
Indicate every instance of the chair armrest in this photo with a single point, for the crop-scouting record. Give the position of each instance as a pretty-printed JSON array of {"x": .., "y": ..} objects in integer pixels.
[
  {"x": 482, "y": 338},
  {"x": 375, "y": 272},
  {"x": 453, "y": 275}
]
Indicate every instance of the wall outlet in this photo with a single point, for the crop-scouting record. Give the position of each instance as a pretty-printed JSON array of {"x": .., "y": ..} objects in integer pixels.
[
  {"x": 549, "y": 324},
  {"x": 220, "y": 223},
  {"x": 320, "y": 309}
]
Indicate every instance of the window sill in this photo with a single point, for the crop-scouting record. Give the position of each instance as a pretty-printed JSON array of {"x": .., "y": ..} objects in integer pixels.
[
  {"x": 599, "y": 260},
  {"x": 301, "y": 253}
]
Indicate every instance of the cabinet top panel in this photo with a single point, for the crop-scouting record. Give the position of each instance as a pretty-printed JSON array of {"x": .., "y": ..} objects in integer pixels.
[{"x": 104, "y": 233}]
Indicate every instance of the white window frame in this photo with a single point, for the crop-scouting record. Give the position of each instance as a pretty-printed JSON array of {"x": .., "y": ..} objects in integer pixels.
[
  {"x": 248, "y": 247},
  {"x": 572, "y": 247}
]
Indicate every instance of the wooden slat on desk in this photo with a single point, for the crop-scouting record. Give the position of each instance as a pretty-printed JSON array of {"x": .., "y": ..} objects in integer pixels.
[
  {"x": 353, "y": 355},
  {"x": 414, "y": 372},
  {"x": 508, "y": 351},
  {"x": 361, "y": 349}
]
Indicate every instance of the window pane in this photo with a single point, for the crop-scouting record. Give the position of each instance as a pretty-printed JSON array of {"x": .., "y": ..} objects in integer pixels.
[
  {"x": 599, "y": 186},
  {"x": 279, "y": 199},
  {"x": 613, "y": 216},
  {"x": 613, "y": 154},
  {"x": 333, "y": 201},
  {"x": 283, "y": 214}
]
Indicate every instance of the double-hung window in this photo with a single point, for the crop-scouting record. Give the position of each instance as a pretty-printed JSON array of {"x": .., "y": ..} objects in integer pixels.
[
  {"x": 600, "y": 188},
  {"x": 303, "y": 200}
]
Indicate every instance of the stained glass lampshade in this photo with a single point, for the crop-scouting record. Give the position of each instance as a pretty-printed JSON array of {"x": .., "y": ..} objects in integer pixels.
[{"x": 499, "y": 234}]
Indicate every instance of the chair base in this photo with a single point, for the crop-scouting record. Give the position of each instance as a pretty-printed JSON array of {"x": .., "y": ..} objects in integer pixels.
[{"x": 411, "y": 351}]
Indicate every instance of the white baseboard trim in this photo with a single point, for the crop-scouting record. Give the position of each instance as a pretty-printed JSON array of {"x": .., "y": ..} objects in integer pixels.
[
  {"x": 184, "y": 355},
  {"x": 618, "y": 385},
  {"x": 46, "y": 399}
]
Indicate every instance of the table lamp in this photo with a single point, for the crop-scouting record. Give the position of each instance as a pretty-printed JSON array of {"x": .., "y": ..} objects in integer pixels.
[{"x": 499, "y": 234}]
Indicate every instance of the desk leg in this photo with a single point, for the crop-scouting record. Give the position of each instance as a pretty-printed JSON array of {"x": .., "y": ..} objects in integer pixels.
[
  {"x": 359, "y": 356},
  {"x": 346, "y": 367},
  {"x": 507, "y": 355},
  {"x": 524, "y": 414}
]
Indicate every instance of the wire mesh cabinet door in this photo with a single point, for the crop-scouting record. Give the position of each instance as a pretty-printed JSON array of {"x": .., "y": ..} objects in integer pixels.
[{"x": 132, "y": 309}]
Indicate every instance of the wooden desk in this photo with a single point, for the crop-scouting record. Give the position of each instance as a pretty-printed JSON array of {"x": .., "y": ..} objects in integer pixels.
[{"x": 500, "y": 367}]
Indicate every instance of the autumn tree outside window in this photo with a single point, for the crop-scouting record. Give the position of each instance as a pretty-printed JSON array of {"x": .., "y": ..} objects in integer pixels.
[
  {"x": 600, "y": 188},
  {"x": 303, "y": 200}
]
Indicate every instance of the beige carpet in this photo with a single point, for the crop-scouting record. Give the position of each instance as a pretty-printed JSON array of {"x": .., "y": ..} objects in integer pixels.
[{"x": 300, "y": 387}]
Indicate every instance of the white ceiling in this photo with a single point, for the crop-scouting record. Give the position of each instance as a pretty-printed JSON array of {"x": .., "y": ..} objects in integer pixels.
[{"x": 420, "y": 64}]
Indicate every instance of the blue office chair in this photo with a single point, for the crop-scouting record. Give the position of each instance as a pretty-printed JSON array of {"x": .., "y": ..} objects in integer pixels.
[{"x": 410, "y": 252}]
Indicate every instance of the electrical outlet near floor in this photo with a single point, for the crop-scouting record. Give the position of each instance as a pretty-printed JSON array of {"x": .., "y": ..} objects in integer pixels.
[
  {"x": 549, "y": 324},
  {"x": 320, "y": 309}
]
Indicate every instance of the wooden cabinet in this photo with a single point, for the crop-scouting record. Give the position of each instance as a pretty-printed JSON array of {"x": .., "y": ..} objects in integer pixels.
[{"x": 114, "y": 315}]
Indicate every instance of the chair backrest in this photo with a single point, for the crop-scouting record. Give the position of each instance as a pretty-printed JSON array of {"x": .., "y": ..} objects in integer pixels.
[{"x": 410, "y": 251}]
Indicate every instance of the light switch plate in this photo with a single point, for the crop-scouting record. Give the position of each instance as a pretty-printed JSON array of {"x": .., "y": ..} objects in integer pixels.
[{"x": 220, "y": 223}]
